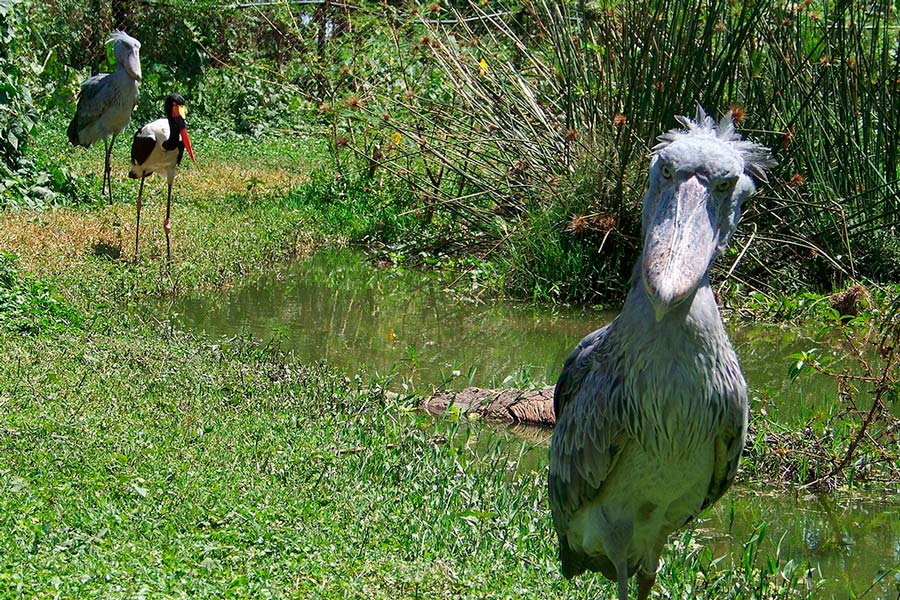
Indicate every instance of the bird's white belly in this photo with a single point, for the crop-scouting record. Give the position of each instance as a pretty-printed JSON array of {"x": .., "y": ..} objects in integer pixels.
[{"x": 160, "y": 161}]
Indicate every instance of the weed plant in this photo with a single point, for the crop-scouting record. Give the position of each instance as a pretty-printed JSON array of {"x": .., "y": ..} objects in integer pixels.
[{"x": 853, "y": 441}]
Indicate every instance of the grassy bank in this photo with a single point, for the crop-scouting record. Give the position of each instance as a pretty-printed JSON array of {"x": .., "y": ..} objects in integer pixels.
[{"x": 140, "y": 461}]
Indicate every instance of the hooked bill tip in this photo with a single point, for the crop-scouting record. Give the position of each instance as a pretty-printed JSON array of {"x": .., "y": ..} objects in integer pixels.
[
  {"x": 659, "y": 311},
  {"x": 661, "y": 302},
  {"x": 665, "y": 291}
]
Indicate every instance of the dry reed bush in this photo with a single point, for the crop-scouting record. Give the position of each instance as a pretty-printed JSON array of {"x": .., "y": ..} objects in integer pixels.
[
  {"x": 491, "y": 114},
  {"x": 471, "y": 132},
  {"x": 530, "y": 126}
]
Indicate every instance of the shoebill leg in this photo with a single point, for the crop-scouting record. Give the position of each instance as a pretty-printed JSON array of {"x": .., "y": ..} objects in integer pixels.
[
  {"x": 645, "y": 583},
  {"x": 622, "y": 578},
  {"x": 107, "y": 167},
  {"x": 646, "y": 576}
]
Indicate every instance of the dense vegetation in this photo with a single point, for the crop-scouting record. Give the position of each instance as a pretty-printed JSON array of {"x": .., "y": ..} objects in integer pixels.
[
  {"x": 138, "y": 459},
  {"x": 507, "y": 139},
  {"x": 517, "y": 131}
]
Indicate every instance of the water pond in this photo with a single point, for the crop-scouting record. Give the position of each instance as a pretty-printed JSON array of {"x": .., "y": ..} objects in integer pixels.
[{"x": 338, "y": 306}]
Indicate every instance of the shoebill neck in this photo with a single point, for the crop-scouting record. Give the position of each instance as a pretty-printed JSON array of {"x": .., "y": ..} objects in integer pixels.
[{"x": 698, "y": 313}]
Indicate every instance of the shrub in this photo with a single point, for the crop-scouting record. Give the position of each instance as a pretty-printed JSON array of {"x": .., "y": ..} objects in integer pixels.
[
  {"x": 18, "y": 113},
  {"x": 536, "y": 114}
]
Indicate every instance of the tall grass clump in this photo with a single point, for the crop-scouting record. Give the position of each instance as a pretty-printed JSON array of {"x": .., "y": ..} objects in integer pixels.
[
  {"x": 826, "y": 76},
  {"x": 530, "y": 123}
]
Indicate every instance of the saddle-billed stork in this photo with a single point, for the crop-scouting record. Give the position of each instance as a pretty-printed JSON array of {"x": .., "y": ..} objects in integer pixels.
[{"x": 157, "y": 148}]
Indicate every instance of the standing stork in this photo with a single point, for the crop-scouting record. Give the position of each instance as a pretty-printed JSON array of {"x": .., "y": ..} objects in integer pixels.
[
  {"x": 107, "y": 100},
  {"x": 157, "y": 147},
  {"x": 652, "y": 409}
]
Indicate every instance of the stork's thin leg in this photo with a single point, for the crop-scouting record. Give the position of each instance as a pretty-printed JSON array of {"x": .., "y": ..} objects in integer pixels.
[
  {"x": 167, "y": 225},
  {"x": 137, "y": 225},
  {"x": 109, "y": 166},
  {"x": 107, "y": 173},
  {"x": 107, "y": 150}
]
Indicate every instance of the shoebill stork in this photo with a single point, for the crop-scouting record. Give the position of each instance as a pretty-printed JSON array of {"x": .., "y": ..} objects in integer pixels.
[
  {"x": 157, "y": 147},
  {"x": 106, "y": 102},
  {"x": 652, "y": 409}
]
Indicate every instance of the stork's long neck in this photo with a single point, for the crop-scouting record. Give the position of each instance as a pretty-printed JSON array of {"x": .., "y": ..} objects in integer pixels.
[{"x": 176, "y": 124}]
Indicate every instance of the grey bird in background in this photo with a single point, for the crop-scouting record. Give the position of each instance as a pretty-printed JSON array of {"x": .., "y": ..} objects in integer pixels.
[
  {"x": 107, "y": 100},
  {"x": 652, "y": 409}
]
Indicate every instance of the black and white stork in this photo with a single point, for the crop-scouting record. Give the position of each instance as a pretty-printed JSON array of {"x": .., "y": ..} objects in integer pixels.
[
  {"x": 157, "y": 148},
  {"x": 106, "y": 102}
]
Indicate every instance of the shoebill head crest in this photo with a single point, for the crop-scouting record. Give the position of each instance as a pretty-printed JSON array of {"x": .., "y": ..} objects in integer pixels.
[{"x": 699, "y": 175}]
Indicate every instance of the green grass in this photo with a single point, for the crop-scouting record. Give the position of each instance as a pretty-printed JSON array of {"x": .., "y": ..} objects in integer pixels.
[
  {"x": 142, "y": 460},
  {"x": 28, "y": 305},
  {"x": 228, "y": 219}
]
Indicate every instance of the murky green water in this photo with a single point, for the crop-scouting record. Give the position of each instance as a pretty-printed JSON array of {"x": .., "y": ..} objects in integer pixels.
[
  {"x": 366, "y": 320},
  {"x": 338, "y": 307}
]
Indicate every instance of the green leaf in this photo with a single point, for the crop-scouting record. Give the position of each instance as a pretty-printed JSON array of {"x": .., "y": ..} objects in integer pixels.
[{"x": 796, "y": 368}]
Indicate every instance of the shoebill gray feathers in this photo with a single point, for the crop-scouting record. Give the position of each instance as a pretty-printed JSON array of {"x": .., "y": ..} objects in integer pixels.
[
  {"x": 652, "y": 409},
  {"x": 106, "y": 102}
]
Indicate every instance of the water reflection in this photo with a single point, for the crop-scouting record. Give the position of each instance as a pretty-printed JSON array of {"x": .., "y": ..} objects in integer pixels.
[{"x": 851, "y": 541}]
